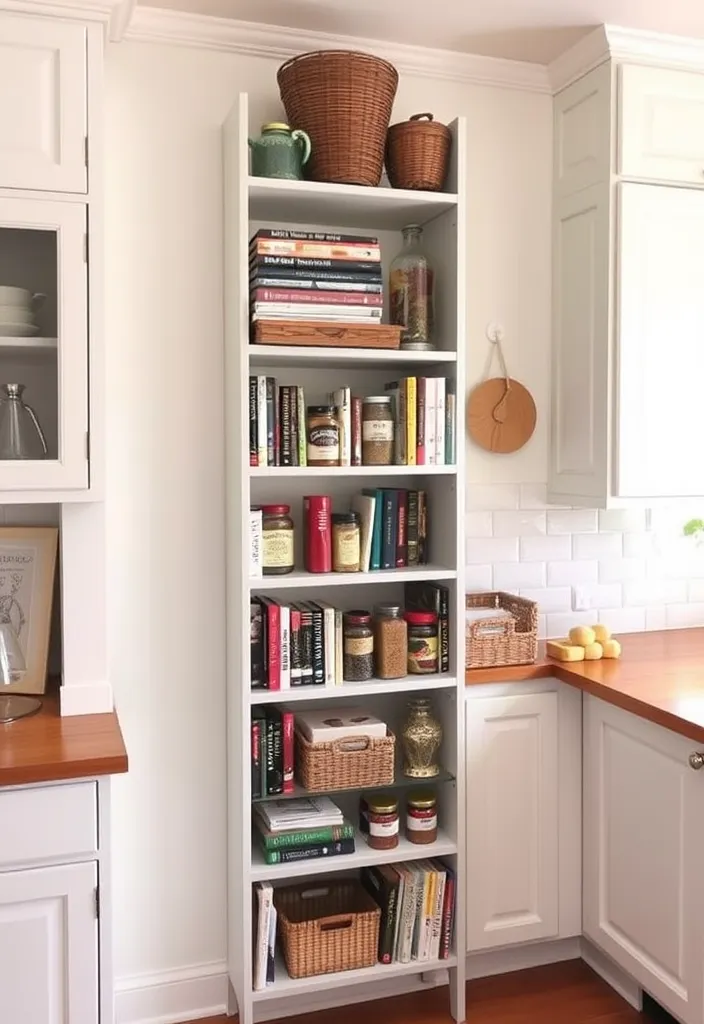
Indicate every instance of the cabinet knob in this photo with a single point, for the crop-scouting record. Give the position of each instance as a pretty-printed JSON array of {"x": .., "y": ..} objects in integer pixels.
[{"x": 696, "y": 760}]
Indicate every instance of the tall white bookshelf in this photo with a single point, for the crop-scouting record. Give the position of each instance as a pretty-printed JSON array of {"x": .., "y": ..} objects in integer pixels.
[{"x": 251, "y": 203}]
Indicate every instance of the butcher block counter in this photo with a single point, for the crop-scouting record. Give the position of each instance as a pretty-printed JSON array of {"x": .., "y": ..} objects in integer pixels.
[
  {"x": 49, "y": 748},
  {"x": 659, "y": 677}
]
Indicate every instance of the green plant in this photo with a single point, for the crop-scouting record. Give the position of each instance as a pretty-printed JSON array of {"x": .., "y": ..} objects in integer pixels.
[{"x": 694, "y": 528}]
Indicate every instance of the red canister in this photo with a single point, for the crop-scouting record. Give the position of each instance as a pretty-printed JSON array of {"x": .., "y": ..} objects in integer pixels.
[{"x": 317, "y": 547}]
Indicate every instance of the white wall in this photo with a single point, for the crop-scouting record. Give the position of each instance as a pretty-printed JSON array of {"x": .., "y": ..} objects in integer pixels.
[{"x": 164, "y": 327}]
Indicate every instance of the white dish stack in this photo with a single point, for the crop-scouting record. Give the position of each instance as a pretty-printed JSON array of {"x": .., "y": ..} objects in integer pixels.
[{"x": 18, "y": 307}]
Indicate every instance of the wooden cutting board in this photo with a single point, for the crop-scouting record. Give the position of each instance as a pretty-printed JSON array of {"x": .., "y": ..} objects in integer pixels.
[{"x": 501, "y": 415}]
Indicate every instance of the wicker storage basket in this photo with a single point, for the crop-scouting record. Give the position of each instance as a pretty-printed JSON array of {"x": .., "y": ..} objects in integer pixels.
[
  {"x": 343, "y": 101},
  {"x": 327, "y": 927},
  {"x": 352, "y": 763},
  {"x": 417, "y": 153},
  {"x": 495, "y": 642}
]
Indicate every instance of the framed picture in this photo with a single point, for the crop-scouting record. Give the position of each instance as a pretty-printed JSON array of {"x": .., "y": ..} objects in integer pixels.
[{"x": 27, "y": 567}]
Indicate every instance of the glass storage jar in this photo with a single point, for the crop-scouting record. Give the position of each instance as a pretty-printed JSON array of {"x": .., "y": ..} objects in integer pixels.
[
  {"x": 390, "y": 642},
  {"x": 323, "y": 436},
  {"x": 421, "y": 817},
  {"x": 277, "y": 540},
  {"x": 357, "y": 647},
  {"x": 377, "y": 431},
  {"x": 381, "y": 820},
  {"x": 412, "y": 292},
  {"x": 345, "y": 542},
  {"x": 422, "y": 642}
]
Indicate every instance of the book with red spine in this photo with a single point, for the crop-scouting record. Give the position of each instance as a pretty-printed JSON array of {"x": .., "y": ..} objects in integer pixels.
[
  {"x": 356, "y": 418},
  {"x": 402, "y": 531},
  {"x": 448, "y": 913},
  {"x": 273, "y": 678},
  {"x": 322, "y": 298},
  {"x": 287, "y": 723}
]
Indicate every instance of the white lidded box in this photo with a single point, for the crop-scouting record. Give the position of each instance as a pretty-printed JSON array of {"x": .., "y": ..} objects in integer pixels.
[{"x": 328, "y": 724}]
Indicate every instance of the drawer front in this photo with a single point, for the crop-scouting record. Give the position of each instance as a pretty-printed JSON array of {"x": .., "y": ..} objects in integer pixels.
[
  {"x": 661, "y": 125},
  {"x": 48, "y": 822}
]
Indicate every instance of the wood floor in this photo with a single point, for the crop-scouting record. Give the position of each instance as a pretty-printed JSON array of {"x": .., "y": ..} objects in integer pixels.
[{"x": 567, "y": 993}]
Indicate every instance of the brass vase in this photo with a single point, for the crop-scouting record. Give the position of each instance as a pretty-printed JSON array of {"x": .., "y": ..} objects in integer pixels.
[{"x": 421, "y": 737}]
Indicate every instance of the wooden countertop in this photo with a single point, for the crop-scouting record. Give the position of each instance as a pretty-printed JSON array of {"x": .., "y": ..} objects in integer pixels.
[
  {"x": 659, "y": 676},
  {"x": 47, "y": 747}
]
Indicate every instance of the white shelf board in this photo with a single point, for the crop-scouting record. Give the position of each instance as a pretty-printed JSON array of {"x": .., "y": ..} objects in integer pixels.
[
  {"x": 23, "y": 347},
  {"x": 325, "y": 203},
  {"x": 303, "y": 355},
  {"x": 363, "y": 855},
  {"x": 408, "y": 684},
  {"x": 343, "y": 471},
  {"x": 287, "y": 988},
  {"x": 300, "y": 580}
]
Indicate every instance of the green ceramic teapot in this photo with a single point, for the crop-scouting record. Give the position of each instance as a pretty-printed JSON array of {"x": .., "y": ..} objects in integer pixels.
[{"x": 280, "y": 152}]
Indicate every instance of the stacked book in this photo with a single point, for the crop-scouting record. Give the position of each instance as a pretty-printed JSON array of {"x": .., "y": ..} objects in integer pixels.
[
  {"x": 424, "y": 421},
  {"x": 308, "y": 275},
  {"x": 272, "y": 752},
  {"x": 417, "y": 903},
  {"x": 305, "y": 829},
  {"x": 264, "y": 918}
]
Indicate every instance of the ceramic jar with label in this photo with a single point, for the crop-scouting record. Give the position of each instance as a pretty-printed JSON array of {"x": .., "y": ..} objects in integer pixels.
[
  {"x": 380, "y": 821},
  {"x": 421, "y": 817},
  {"x": 377, "y": 431},
  {"x": 345, "y": 542},
  {"x": 277, "y": 540},
  {"x": 323, "y": 436}
]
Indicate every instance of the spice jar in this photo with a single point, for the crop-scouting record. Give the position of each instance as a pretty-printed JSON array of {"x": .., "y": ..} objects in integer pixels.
[
  {"x": 277, "y": 540},
  {"x": 323, "y": 436},
  {"x": 381, "y": 826},
  {"x": 377, "y": 431},
  {"x": 421, "y": 817},
  {"x": 412, "y": 292},
  {"x": 422, "y": 642},
  {"x": 357, "y": 647},
  {"x": 345, "y": 542},
  {"x": 390, "y": 642}
]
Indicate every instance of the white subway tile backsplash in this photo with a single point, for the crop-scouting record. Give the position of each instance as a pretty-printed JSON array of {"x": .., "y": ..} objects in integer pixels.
[
  {"x": 544, "y": 549},
  {"x": 477, "y": 578},
  {"x": 560, "y": 623},
  {"x": 549, "y": 599},
  {"x": 656, "y": 617},
  {"x": 477, "y": 524},
  {"x": 572, "y": 574},
  {"x": 533, "y": 496},
  {"x": 490, "y": 549},
  {"x": 681, "y": 616},
  {"x": 622, "y": 620},
  {"x": 619, "y": 570},
  {"x": 492, "y": 496},
  {"x": 572, "y": 520},
  {"x": 542, "y": 626},
  {"x": 597, "y": 545},
  {"x": 597, "y": 595},
  {"x": 694, "y": 590},
  {"x": 621, "y": 520},
  {"x": 512, "y": 576},
  {"x": 654, "y": 592},
  {"x": 519, "y": 524},
  {"x": 638, "y": 545}
]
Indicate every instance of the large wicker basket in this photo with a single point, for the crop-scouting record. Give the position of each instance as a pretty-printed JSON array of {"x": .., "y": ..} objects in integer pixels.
[
  {"x": 343, "y": 100},
  {"x": 418, "y": 153},
  {"x": 496, "y": 642},
  {"x": 329, "y": 927},
  {"x": 356, "y": 762}
]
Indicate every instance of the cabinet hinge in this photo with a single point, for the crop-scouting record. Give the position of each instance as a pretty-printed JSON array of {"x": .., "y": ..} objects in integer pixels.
[
  {"x": 85, "y": 149},
  {"x": 87, "y": 446},
  {"x": 97, "y": 901},
  {"x": 85, "y": 247}
]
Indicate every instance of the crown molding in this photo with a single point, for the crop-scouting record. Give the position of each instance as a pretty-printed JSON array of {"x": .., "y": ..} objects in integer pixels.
[
  {"x": 83, "y": 10},
  {"x": 586, "y": 54},
  {"x": 156, "y": 25},
  {"x": 122, "y": 14}
]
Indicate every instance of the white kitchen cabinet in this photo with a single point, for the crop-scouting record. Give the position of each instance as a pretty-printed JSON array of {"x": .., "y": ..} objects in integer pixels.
[
  {"x": 42, "y": 104},
  {"x": 643, "y": 837},
  {"x": 49, "y": 945},
  {"x": 43, "y": 250},
  {"x": 661, "y": 124},
  {"x": 523, "y": 815}
]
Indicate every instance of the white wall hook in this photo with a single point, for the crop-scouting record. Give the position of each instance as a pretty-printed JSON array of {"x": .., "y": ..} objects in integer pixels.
[{"x": 495, "y": 332}]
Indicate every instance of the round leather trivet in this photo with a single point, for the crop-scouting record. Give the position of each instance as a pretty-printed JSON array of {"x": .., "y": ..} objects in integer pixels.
[{"x": 501, "y": 415}]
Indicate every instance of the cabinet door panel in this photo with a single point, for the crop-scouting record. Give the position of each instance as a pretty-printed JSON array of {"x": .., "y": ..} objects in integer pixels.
[
  {"x": 42, "y": 104},
  {"x": 661, "y": 124},
  {"x": 49, "y": 945},
  {"x": 512, "y": 819},
  {"x": 643, "y": 811},
  {"x": 582, "y": 132},
  {"x": 660, "y": 323}
]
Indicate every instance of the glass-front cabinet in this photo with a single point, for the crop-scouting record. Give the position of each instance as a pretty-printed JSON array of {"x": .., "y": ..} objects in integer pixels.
[{"x": 43, "y": 345}]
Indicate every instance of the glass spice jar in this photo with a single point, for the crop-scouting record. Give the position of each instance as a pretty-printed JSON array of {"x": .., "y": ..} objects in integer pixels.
[
  {"x": 345, "y": 542},
  {"x": 277, "y": 540},
  {"x": 377, "y": 431},
  {"x": 390, "y": 642},
  {"x": 382, "y": 821},
  {"x": 412, "y": 283},
  {"x": 357, "y": 647},
  {"x": 421, "y": 817},
  {"x": 323, "y": 436},
  {"x": 422, "y": 642}
]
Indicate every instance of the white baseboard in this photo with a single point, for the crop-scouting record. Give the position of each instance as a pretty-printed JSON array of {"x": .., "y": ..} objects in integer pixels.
[
  {"x": 168, "y": 997},
  {"x": 612, "y": 974},
  {"x": 520, "y": 958}
]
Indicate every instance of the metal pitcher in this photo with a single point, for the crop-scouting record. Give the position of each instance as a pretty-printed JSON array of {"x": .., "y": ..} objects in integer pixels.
[
  {"x": 21, "y": 436},
  {"x": 280, "y": 152}
]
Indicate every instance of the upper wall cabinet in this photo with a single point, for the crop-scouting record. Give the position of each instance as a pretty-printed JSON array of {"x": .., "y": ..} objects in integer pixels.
[
  {"x": 42, "y": 104},
  {"x": 661, "y": 125}
]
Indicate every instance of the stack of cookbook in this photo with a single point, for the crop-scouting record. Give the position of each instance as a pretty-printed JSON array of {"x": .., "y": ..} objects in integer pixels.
[{"x": 301, "y": 829}]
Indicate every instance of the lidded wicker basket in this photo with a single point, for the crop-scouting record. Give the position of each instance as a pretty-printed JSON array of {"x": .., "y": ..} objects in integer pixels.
[
  {"x": 343, "y": 100},
  {"x": 418, "y": 153}
]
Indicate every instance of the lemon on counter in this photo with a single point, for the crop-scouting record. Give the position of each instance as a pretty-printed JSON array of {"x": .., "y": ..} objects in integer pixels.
[
  {"x": 582, "y": 636},
  {"x": 602, "y": 634},
  {"x": 593, "y": 652},
  {"x": 612, "y": 649}
]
